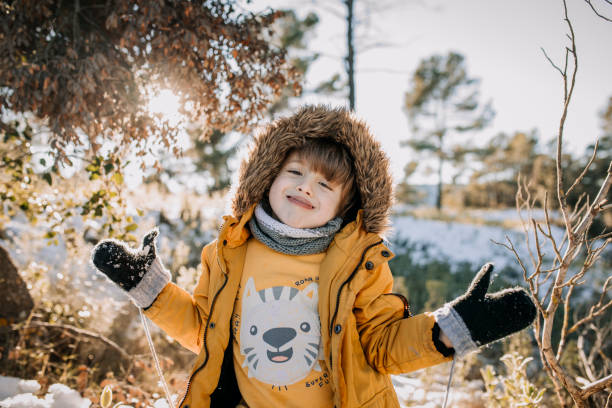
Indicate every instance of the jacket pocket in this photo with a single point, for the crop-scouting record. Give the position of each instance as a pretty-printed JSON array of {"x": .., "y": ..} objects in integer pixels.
[{"x": 363, "y": 382}]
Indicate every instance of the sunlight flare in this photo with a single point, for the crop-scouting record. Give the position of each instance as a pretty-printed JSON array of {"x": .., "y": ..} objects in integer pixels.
[{"x": 166, "y": 103}]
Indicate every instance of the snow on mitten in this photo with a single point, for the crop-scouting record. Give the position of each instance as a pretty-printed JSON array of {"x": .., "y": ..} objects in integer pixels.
[
  {"x": 139, "y": 272},
  {"x": 477, "y": 318}
]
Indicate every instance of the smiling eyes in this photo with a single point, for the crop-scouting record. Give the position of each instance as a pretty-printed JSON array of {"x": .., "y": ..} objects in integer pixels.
[{"x": 323, "y": 184}]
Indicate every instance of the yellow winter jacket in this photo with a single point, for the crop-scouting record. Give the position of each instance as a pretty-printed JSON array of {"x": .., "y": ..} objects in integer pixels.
[{"x": 366, "y": 330}]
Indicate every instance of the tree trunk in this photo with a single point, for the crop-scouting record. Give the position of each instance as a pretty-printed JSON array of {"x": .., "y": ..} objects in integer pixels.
[
  {"x": 439, "y": 196},
  {"x": 440, "y": 135},
  {"x": 16, "y": 300},
  {"x": 350, "y": 58}
]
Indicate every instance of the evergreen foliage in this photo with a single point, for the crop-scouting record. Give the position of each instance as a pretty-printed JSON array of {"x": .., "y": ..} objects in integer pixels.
[{"x": 442, "y": 103}]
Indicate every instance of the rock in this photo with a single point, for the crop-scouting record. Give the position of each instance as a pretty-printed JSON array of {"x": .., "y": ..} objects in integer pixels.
[{"x": 16, "y": 300}]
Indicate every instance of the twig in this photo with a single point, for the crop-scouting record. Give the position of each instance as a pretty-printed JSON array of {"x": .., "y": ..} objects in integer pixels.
[
  {"x": 510, "y": 247},
  {"x": 551, "y": 62},
  {"x": 596, "y": 12},
  {"x": 566, "y": 312},
  {"x": 596, "y": 386},
  {"x": 586, "y": 168},
  {"x": 561, "y": 196},
  {"x": 594, "y": 209},
  {"x": 583, "y": 358},
  {"x": 78, "y": 331},
  {"x": 596, "y": 310},
  {"x": 524, "y": 202}
]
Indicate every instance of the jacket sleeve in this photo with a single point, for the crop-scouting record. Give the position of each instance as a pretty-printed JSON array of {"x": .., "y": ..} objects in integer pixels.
[
  {"x": 391, "y": 343},
  {"x": 181, "y": 315}
]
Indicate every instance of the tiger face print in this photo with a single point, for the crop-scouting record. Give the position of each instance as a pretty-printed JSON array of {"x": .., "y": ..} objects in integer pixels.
[{"x": 280, "y": 333}]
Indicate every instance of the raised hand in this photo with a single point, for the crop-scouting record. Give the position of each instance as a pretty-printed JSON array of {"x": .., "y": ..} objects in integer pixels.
[
  {"x": 137, "y": 271},
  {"x": 487, "y": 317}
]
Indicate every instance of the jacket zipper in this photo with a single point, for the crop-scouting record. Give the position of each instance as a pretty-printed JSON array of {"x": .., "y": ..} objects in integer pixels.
[
  {"x": 331, "y": 325},
  {"x": 212, "y": 306}
]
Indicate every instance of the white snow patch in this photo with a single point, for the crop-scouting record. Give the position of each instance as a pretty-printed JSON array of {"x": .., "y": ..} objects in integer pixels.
[
  {"x": 24, "y": 401},
  {"x": 18, "y": 393},
  {"x": 459, "y": 242},
  {"x": 10, "y": 386}
]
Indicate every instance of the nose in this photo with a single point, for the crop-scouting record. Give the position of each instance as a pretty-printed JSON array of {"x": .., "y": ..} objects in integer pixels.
[
  {"x": 305, "y": 187},
  {"x": 304, "y": 190},
  {"x": 278, "y": 336}
]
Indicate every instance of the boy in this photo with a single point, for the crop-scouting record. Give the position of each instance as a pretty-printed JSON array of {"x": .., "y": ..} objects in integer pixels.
[{"x": 294, "y": 306}]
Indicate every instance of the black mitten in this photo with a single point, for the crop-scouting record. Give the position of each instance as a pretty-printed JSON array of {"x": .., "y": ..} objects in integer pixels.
[
  {"x": 138, "y": 272},
  {"x": 487, "y": 317}
]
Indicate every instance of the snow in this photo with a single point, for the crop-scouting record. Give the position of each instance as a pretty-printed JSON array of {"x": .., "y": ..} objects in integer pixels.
[
  {"x": 10, "y": 386},
  {"x": 459, "y": 242},
  {"x": 19, "y": 393}
]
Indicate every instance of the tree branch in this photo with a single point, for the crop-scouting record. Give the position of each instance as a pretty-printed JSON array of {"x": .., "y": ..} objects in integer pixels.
[
  {"x": 81, "y": 332},
  {"x": 561, "y": 196},
  {"x": 597, "y": 204},
  {"x": 586, "y": 168},
  {"x": 596, "y": 310},
  {"x": 596, "y": 12},
  {"x": 596, "y": 386}
]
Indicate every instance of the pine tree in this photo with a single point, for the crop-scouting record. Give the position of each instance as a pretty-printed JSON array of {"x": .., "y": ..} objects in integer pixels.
[{"x": 442, "y": 102}]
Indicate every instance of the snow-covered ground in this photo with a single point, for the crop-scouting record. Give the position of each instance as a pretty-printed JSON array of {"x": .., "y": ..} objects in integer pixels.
[
  {"x": 459, "y": 242},
  {"x": 18, "y": 393}
]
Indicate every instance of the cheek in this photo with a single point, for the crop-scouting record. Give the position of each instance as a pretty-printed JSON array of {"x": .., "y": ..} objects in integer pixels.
[
  {"x": 275, "y": 190},
  {"x": 335, "y": 203}
]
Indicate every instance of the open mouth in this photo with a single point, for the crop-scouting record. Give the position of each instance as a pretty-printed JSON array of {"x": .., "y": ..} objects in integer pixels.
[
  {"x": 281, "y": 356},
  {"x": 300, "y": 202}
]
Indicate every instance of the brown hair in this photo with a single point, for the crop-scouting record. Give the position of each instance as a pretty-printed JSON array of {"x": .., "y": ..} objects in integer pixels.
[{"x": 333, "y": 161}]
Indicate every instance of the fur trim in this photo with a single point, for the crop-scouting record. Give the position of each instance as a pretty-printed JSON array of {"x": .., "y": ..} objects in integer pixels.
[{"x": 271, "y": 146}]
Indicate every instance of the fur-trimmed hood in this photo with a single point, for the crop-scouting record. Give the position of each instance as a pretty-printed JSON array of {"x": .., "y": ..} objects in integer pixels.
[{"x": 270, "y": 148}]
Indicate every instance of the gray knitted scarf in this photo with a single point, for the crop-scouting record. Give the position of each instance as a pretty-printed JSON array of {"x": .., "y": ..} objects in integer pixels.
[{"x": 288, "y": 240}]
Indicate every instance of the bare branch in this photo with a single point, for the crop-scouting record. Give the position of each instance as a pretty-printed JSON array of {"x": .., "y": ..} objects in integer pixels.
[
  {"x": 598, "y": 203},
  {"x": 596, "y": 386},
  {"x": 566, "y": 313},
  {"x": 551, "y": 62},
  {"x": 81, "y": 332},
  {"x": 605, "y": 236},
  {"x": 579, "y": 205},
  {"x": 583, "y": 358},
  {"x": 520, "y": 203},
  {"x": 561, "y": 196},
  {"x": 596, "y": 12},
  {"x": 586, "y": 168},
  {"x": 596, "y": 310},
  {"x": 534, "y": 291}
]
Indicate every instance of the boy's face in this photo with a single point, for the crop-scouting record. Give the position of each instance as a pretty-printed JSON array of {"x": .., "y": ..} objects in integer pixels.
[{"x": 303, "y": 198}]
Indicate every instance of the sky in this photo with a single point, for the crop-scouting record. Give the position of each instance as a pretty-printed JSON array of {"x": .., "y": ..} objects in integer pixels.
[{"x": 502, "y": 43}]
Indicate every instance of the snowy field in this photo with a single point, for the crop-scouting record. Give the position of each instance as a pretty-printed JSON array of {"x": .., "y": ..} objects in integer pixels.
[{"x": 459, "y": 242}]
